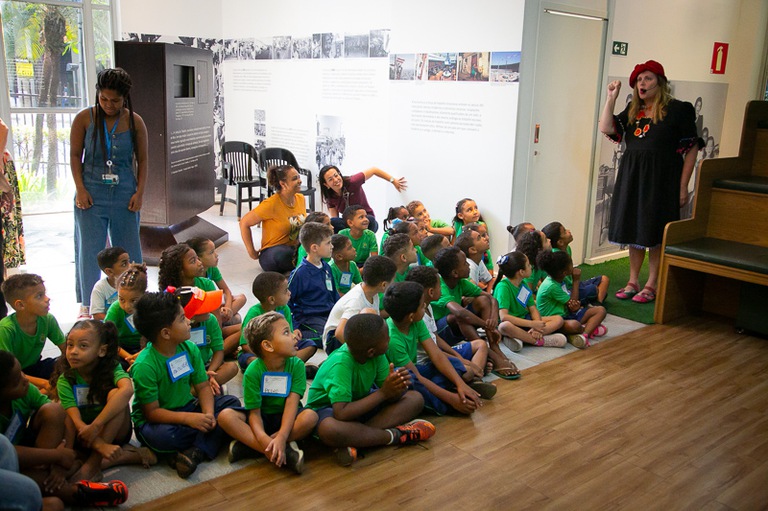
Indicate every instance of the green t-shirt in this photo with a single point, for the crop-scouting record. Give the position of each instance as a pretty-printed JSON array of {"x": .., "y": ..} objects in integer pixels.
[
  {"x": 537, "y": 275},
  {"x": 68, "y": 398},
  {"x": 364, "y": 245},
  {"x": 352, "y": 277},
  {"x": 509, "y": 296},
  {"x": 383, "y": 239},
  {"x": 213, "y": 340},
  {"x": 213, "y": 274},
  {"x": 258, "y": 310},
  {"x": 551, "y": 299},
  {"x": 465, "y": 287},
  {"x": 252, "y": 398},
  {"x": 21, "y": 409},
  {"x": 341, "y": 379},
  {"x": 152, "y": 379},
  {"x": 403, "y": 347},
  {"x": 27, "y": 348},
  {"x": 127, "y": 335},
  {"x": 205, "y": 284},
  {"x": 436, "y": 223}
]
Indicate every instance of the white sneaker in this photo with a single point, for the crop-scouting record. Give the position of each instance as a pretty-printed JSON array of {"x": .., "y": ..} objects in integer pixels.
[
  {"x": 578, "y": 341},
  {"x": 513, "y": 344},
  {"x": 553, "y": 341}
]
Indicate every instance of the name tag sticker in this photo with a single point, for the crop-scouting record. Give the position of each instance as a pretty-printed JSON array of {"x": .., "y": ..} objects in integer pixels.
[
  {"x": 276, "y": 384},
  {"x": 565, "y": 288},
  {"x": 197, "y": 336},
  {"x": 346, "y": 279},
  {"x": 523, "y": 295},
  {"x": 129, "y": 322},
  {"x": 329, "y": 284},
  {"x": 179, "y": 366},
  {"x": 14, "y": 427},
  {"x": 81, "y": 395}
]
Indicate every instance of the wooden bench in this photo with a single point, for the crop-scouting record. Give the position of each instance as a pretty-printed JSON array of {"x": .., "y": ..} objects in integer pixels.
[{"x": 707, "y": 259}]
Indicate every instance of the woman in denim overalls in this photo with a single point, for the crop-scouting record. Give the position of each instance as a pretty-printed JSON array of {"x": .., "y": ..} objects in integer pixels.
[{"x": 108, "y": 157}]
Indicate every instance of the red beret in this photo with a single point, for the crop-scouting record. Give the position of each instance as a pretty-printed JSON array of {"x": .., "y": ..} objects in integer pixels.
[{"x": 652, "y": 66}]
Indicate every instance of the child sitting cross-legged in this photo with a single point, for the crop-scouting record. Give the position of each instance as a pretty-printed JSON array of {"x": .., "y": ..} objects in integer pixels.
[
  {"x": 438, "y": 379},
  {"x": 378, "y": 273},
  {"x": 360, "y": 399},
  {"x": 273, "y": 419},
  {"x": 271, "y": 289},
  {"x": 363, "y": 239},
  {"x": 313, "y": 291},
  {"x": 95, "y": 392},
  {"x": 520, "y": 319},
  {"x": 36, "y": 427},
  {"x": 581, "y": 323},
  {"x": 25, "y": 332},
  {"x": 345, "y": 272},
  {"x": 113, "y": 261},
  {"x": 131, "y": 285},
  {"x": 457, "y": 322},
  {"x": 166, "y": 416},
  {"x": 472, "y": 354}
]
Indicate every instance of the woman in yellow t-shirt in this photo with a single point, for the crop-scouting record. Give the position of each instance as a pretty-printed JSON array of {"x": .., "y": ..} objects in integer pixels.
[{"x": 280, "y": 217}]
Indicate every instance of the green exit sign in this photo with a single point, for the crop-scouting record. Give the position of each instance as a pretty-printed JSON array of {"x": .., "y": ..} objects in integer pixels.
[{"x": 620, "y": 48}]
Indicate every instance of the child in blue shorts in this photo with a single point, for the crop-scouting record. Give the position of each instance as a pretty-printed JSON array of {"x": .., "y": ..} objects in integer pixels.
[
  {"x": 591, "y": 291},
  {"x": 166, "y": 416},
  {"x": 313, "y": 291},
  {"x": 437, "y": 376},
  {"x": 25, "y": 332},
  {"x": 360, "y": 399},
  {"x": 581, "y": 323},
  {"x": 273, "y": 419}
]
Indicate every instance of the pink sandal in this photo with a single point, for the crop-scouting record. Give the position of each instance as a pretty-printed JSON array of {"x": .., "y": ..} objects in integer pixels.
[
  {"x": 623, "y": 294},
  {"x": 600, "y": 331},
  {"x": 647, "y": 295}
]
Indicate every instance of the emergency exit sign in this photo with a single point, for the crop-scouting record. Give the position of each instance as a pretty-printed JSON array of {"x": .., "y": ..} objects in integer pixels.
[{"x": 620, "y": 48}]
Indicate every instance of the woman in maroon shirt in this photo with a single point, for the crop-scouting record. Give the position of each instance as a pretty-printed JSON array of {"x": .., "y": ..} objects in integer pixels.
[{"x": 339, "y": 192}]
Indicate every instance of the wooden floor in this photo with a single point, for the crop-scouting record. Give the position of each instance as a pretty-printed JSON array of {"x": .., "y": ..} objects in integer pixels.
[{"x": 667, "y": 417}]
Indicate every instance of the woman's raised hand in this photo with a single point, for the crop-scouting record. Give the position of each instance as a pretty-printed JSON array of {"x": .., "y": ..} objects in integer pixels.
[
  {"x": 400, "y": 184},
  {"x": 613, "y": 89}
]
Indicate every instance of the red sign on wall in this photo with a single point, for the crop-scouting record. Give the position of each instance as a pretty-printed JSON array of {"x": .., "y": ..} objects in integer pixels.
[{"x": 719, "y": 58}]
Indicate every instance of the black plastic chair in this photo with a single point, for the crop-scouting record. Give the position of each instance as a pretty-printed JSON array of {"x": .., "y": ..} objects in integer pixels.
[
  {"x": 272, "y": 156},
  {"x": 241, "y": 170}
]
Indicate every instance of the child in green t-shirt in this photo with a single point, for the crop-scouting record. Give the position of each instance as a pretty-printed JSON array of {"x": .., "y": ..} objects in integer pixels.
[
  {"x": 581, "y": 323},
  {"x": 360, "y": 399},
  {"x": 35, "y": 427},
  {"x": 25, "y": 332},
  {"x": 345, "y": 273},
  {"x": 400, "y": 249},
  {"x": 363, "y": 239},
  {"x": 456, "y": 322},
  {"x": 431, "y": 245},
  {"x": 434, "y": 226},
  {"x": 95, "y": 391},
  {"x": 520, "y": 319},
  {"x": 468, "y": 217},
  {"x": 273, "y": 418},
  {"x": 532, "y": 243},
  {"x": 131, "y": 285},
  {"x": 180, "y": 266},
  {"x": 166, "y": 416},
  {"x": 404, "y": 302},
  {"x": 271, "y": 290},
  {"x": 206, "y": 252}
]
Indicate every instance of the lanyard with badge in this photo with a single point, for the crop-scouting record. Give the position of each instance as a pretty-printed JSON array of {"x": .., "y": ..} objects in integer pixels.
[
  {"x": 110, "y": 178},
  {"x": 110, "y": 300},
  {"x": 346, "y": 278},
  {"x": 179, "y": 366},
  {"x": 81, "y": 395},
  {"x": 275, "y": 384},
  {"x": 329, "y": 279},
  {"x": 129, "y": 324}
]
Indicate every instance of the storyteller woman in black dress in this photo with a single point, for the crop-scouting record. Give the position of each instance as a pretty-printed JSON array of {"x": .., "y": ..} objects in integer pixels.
[{"x": 652, "y": 182}]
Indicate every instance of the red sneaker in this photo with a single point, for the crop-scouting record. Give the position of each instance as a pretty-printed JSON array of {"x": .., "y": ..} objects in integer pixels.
[
  {"x": 92, "y": 494},
  {"x": 415, "y": 431}
]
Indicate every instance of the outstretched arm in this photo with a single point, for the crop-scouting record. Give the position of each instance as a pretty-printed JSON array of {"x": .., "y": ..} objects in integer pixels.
[{"x": 399, "y": 183}]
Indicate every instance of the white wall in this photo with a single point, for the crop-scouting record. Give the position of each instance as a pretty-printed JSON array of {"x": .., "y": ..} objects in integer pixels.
[{"x": 172, "y": 17}]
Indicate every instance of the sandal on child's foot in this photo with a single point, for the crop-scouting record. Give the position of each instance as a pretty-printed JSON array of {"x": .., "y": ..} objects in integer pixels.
[{"x": 627, "y": 291}]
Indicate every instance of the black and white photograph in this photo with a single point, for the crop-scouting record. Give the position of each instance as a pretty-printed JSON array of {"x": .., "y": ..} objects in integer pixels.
[
  {"x": 302, "y": 47},
  {"x": 259, "y": 144},
  {"x": 330, "y": 146},
  {"x": 281, "y": 47},
  {"x": 356, "y": 46},
  {"x": 379, "y": 43},
  {"x": 505, "y": 66},
  {"x": 332, "y": 46},
  {"x": 259, "y": 129},
  {"x": 259, "y": 115},
  {"x": 317, "y": 45},
  {"x": 402, "y": 66},
  {"x": 262, "y": 48}
]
